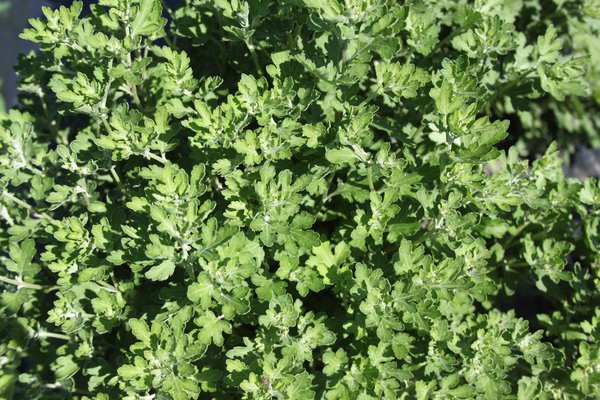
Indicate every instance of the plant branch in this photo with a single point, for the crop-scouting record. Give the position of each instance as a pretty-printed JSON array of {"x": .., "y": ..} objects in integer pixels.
[
  {"x": 25, "y": 205},
  {"x": 51, "y": 335},
  {"x": 21, "y": 284}
]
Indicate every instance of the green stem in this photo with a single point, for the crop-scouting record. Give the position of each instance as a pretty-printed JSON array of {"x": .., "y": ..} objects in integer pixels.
[
  {"x": 36, "y": 171},
  {"x": 329, "y": 181},
  {"x": 115, "y": 176},
  {"x": 368, "y": 99},
  {"x": 114, "y": 282},
  {"x": 52, "y": 124},
  {"x": 331, "y": 195},
  {"x": 515, "y": 235},
  {"x": 162, "y": 160},
  {"x": 106, "y": 125},
  {"x": 429, "y": 234},
  {"x": 18, "y": 201},
  {"x": 370, "y": 179},
  {"x": 108, "y": 287},
  {"x": 133, "y": 87},
  {"x": 25, "y": 205},
  {"x": 136, "y": 98},
  {"x": 107, "y": 90},
  {"x": 169, "y": 41},
  {"x": 518, "y": 264},
  {"x": 50, "y": 335},
  {"x": 167, "y": 8},
  {"x": 254, "y": 57},
  {"x": 319, "y": 203},
  {"x": 20, "y": 283},
  {"x": 448, "y": 38}
]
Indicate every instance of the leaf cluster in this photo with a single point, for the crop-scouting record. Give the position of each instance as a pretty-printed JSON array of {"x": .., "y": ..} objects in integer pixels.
[{"x": 302, "y": 199}]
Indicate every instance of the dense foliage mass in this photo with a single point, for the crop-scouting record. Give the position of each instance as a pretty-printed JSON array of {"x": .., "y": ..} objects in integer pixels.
[{"x": 302, "y": 199}]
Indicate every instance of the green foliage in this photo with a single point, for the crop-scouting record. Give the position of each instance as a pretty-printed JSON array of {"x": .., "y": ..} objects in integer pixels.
[{"x": 302, "y": 199}]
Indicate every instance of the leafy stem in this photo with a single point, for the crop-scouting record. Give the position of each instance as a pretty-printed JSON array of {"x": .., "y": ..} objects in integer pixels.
[
  {"x": 27, "y": 206},
  {"x": 370, "y": 178},
  {"x": 518, "y": 264},
  {"x": 52, "y": 335},
  {"x": 160, "y": 159},
  {"x": 431, "y": 233},
  {"x": 115, "y": 176},
  {"x": 21, "y": 284},
  {"x": 368, "y": 99},
  {"x": 515, "y": 235},
  {"x": 136, "y": 97},
  {"x": 448, "y": 38},
  {"x": 252, "y": 48},
  {"x": 108, "y": 286},
  {"x": 106, "y": 125},
  {"x": 107, "y": 89}
]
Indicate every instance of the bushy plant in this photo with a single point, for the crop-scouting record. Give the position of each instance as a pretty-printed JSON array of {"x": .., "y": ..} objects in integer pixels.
[{"x": 302, "y": 199}]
